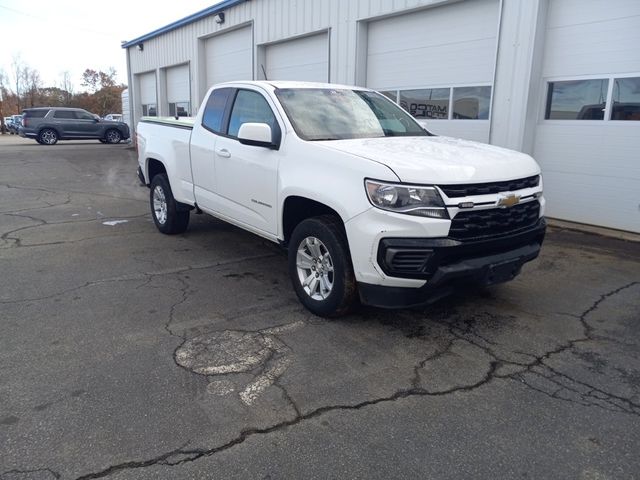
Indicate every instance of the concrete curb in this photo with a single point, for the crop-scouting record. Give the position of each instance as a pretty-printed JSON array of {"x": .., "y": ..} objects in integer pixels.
[{"x": 593, "y": 230}]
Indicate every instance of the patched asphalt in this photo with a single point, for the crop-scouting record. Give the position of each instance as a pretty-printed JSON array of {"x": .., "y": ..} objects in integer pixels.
[{"x": 128, "y": 354}]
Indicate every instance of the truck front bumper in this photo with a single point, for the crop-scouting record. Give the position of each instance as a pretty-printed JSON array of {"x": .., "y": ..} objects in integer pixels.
[{"x": 443, "y": 265}]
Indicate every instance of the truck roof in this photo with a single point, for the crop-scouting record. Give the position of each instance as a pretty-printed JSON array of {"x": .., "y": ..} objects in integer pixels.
[{"x": 294, "y": 84}]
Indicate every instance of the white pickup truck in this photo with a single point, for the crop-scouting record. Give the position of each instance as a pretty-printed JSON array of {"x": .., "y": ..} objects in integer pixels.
[{"x": 368, "y": 203}]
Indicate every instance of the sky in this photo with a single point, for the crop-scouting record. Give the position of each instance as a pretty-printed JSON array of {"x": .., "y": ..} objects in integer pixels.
[{"x": 73, "y": 35}]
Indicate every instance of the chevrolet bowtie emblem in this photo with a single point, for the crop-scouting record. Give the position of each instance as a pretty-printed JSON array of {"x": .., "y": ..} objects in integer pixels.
[{"x": 507, "y": 201}]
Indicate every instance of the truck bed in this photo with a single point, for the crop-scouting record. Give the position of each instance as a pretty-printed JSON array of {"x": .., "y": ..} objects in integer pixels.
[{"x": 183, "y": 122}]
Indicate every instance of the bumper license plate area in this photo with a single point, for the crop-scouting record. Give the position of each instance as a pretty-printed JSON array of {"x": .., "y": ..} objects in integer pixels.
[{"x": 502, "y": 272}]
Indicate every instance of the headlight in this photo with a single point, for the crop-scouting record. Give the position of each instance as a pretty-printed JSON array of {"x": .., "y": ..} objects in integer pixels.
[{"x": 408, "y": 199}]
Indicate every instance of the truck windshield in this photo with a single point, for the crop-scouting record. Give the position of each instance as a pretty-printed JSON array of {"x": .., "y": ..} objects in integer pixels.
[{"x": 338, "y": 114}]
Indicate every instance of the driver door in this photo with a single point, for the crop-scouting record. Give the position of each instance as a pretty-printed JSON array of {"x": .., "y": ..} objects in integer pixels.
[{"x": 247, "y": 176}]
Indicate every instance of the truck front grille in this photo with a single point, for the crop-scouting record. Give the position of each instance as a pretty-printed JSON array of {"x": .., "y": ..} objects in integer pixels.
[
  {"x": 455, "y": 191},
  {"x": 497, "y": 221}
]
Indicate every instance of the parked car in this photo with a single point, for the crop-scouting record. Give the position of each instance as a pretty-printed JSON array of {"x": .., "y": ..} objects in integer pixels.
[
  {"x": 7, "y": 121},
  {"x": 114, "y": 117},
  {"x": 15, "y": 124},
  {"x": 47, "y": 125},
  {"x": 367, "y": 202}
]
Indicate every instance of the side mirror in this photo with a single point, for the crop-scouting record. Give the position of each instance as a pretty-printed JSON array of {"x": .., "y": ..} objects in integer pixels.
[{"x": 257, "y": 135}]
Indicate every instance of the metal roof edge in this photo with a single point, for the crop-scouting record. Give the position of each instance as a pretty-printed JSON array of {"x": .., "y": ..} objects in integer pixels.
[{"x": 212, "y": 10}]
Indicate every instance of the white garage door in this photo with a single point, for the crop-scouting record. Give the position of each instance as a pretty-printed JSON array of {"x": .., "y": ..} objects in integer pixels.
[
  {"x": 148, "y": 88},
  {"x": 229, "y": 57},
  {"x": 303, "y": 59},
  {"x": 178, "y": 91},
  {"x": 428, "y": 53},
  {"x": 588, "y": 136},
  {"x": 178, "y": 84}
]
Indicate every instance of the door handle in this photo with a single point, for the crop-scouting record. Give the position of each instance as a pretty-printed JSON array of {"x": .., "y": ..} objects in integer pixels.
[{"x": 224, "y": 153}]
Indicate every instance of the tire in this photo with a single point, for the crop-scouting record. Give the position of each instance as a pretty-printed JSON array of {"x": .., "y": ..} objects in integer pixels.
[
  {"x": 167, "y": 214},
  {"x": 102, "y": 140},
  {"x": 112, "y": 136},
  {"x": 48, "y": 136},
  {"x": 327, "y": 288}
]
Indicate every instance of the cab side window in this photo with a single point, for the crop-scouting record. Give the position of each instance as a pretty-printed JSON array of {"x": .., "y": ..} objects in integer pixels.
[
  {"x": 250, "y": 107},
  {"x": 213, "y": 116}
]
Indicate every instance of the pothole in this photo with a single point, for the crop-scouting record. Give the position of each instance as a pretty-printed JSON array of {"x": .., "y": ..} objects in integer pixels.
[
  {"x": 235, "y": 352},
  {"x": 225, "y": 352}
]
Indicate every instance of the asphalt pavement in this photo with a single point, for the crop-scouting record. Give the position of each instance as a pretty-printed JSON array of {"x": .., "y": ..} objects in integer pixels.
[{"x": 128, "y": 354}]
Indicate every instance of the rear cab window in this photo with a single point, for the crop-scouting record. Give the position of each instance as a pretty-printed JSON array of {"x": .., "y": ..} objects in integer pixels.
[{"x": 214, "y": 110}]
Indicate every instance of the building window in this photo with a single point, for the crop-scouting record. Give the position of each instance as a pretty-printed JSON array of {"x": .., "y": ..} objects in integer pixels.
[
  {"x": 577, "y": 100},
  {"x": 471, "y": 103},
  {"x": 426, "y": 103},
  {"x": 179, "y": 109},
  {"x": 625, "y": 100},
  {"x": 149, "y": 110}
]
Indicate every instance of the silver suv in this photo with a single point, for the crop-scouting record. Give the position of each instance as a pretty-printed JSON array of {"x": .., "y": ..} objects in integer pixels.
[{"x": 47, "y": 125}]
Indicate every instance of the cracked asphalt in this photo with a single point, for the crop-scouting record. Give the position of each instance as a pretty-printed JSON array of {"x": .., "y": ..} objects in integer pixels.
[{"x": 127, "y": 354}]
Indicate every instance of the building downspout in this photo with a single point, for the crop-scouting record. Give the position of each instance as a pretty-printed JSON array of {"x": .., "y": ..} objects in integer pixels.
[
  {"x": 130, "y": 87},
  {"x": 495, "y": 68}
]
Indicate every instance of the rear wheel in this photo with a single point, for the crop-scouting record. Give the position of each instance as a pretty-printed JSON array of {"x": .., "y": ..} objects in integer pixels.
[
  {"x": 48, "y": 136},
  {"x": 112, "y": 136},
  {"x": 320, "y": 266},
  {"x": 168, "y": 215}
]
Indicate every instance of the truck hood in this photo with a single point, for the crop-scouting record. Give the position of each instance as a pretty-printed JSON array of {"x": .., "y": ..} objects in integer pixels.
[{"x": 443, "y": 160}]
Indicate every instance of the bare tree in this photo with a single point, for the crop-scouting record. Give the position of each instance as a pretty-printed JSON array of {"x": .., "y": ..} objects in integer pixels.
[
  {"x": 67, "y": 88},
  {"x": 3, "y": 94},
  {"x": 17, "y": 67},
  {"x": 32, "y": 85}
]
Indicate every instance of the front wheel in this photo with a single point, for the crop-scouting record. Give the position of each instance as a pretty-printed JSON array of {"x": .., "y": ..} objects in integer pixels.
[
  {"x": 320, "y": 266},
  {"x": 167, "y": 214},
  {"x": 113, "y": 136}
]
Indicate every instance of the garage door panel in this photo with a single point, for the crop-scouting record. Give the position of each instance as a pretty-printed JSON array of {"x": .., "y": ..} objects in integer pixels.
[
  {"x": 594, "y": 48},
  {"x": 447, "y": 45},
  {"x": 304, "y": 73},
  {"x": 303, "y": 59},
  {"x": 229, "y": 56},
  {"x": 402, "y": 70},
  {"x": 587, "y": 150},
  {"x": 437, "y": 26},
  {"x": 178, "y": 84},
  {"x": 613, "y": 204},
  {"x": 591, "y": 173},
  {"x": 577, "y": 12},
  {"x": 148, "y": 88}
]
